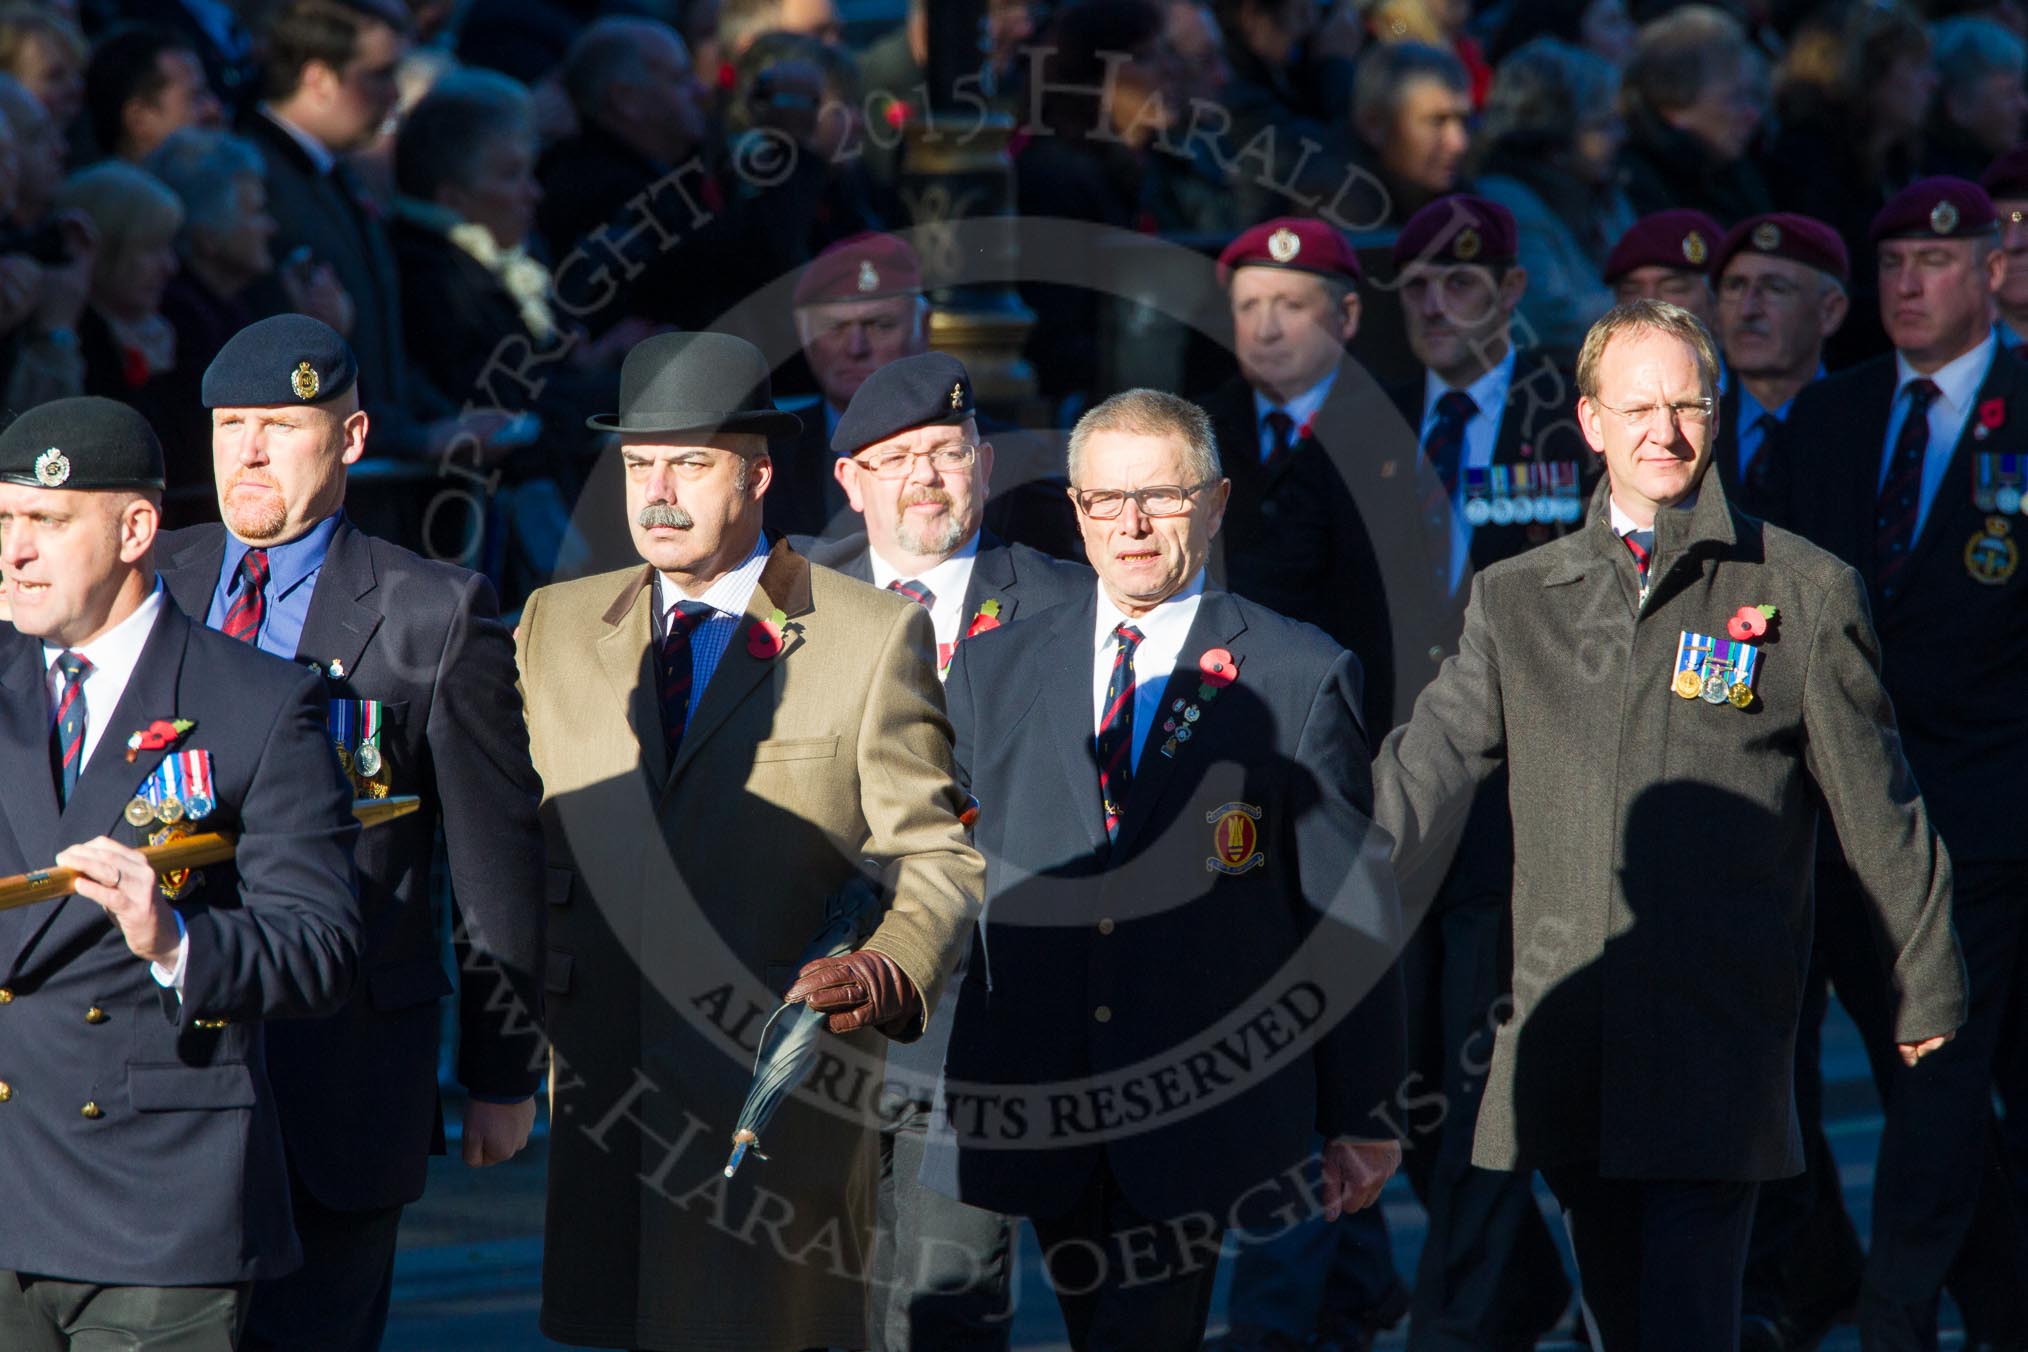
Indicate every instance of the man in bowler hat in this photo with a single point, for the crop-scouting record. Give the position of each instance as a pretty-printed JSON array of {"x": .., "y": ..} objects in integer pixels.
[{"x": 724, "y": 734}]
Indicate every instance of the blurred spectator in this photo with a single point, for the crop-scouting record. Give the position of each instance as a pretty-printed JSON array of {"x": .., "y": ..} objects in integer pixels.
[
  {"x": 1692, "y": 106},
  {"x": 1851, "y": 99},
  {"x": 1086, "y": 158},
  {"x": 791, "y": 120},
  {"x": 213, "y": 29},
  {"x": 521, "y": 38},
  {"x": 698, "y": 27},
  {"x": 2006, "y": 182},
  {"x": 1601, "y": 27},
  {"x": 1435, "y": 23},
  {"x": 44, "y": 50},
  {"x": 1980, "y": 100},
  {"x": 1667, "y": 256},
  {"x": 129, "y": 347},
  {"x": 1288, "y": 116},
  {"x": 1191, "y": 190},
  {"x": 1410, "y": 114},
  {"x": 225, "y": 247},
  {"x": 142, "y": 85},
  {"x": 741, "y": 21},
  {"x": 38, "y": 149},
  {"x": 1550, "y": 146},
  {"x": 2011, "y": 15},
  {"x": 45, "y": 281}
]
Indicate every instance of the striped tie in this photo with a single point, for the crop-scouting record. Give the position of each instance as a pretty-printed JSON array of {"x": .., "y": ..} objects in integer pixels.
[
  {"x": 1901, "y": 496},
  {"x": 250, "y": 606},
  {"x": 914, "y": 591},
  {"x": 1116, "y": 729},
  {"x": 1641, "y": 544},
  {"x": 673, "y": 672},
  {"x": 68, "y": 736},
  {"x": 1281, "y": 437}
]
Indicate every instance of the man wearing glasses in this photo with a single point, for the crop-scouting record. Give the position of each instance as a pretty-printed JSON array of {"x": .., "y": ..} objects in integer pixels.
[
  {"x": 913, "y": 465},
  {"x": 1185, "y": 966},
  {"x": 1672, "y": 692}
]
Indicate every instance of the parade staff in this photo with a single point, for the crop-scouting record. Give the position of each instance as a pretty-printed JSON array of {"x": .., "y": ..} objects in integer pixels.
[
  {"x": 1173, "y": 785},
  {"x": 723, "y": 734},
  {"x": 1911, "y": 468},
  {"x": 1667, "y": 256},
  {"x": 916, "y": 468},
  {"x": 146, "y": 1181},
  {"x": 419, "y": 679},
  {"x": 1781, "y": 294},
  {"x": 1672, "y": 692}
]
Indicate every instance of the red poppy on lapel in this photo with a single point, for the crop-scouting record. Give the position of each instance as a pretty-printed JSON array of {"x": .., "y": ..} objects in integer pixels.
[
  {"x": 159, "y": 735},
  {"x": 1217, "y": 667},
  {"x": 764, "y": 638}
]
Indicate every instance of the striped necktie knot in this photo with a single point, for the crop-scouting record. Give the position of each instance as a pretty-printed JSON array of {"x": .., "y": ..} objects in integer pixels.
[
  {"x": 914, "y": 591},
  {"x": 250, "y": 602},
  {"x": 1116, "y": 728},
  {"x": 68, "y": 734}
]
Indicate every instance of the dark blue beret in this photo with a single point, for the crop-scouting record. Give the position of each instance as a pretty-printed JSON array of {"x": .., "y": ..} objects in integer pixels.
[
  {"x": 928, "y": 390},
  {"x": 286, "y": 359},
  {"x": 86, "y": 442}
]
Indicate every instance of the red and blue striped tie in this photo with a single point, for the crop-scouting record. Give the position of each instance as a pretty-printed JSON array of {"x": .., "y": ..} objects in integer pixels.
[
  {"x": 250, "y": 606},
  {"x": 1116, "y": 729},
  {"x": 914, "y": 591},
  {"x": 67, "y": 748},
  {"x": 673, "y": 672}
]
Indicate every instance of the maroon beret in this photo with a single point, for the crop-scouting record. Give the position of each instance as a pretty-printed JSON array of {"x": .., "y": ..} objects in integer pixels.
[
  {"x": 2008, "y": 175},
  {"x": 864, "y": 267},
  {"x": 1299, "y": 243},
  {"x": 1458, "y": 229},
  {"x": 1783, "y": 234},
  {"x": 1680, "y": 238},
  {"x": 1935, "y": 208}
]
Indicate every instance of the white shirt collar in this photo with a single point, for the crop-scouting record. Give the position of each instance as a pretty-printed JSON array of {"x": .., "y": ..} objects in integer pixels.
[
  {"x": 319, "y": 154},
  {"x": 1957, "y": 380},
  {"x": 114, "y": 655},
  {"x": 1488, "y": 392},
  {"x": 1302, "y": 409},
  {"x": 950, "y": 577},
  {"x": 1166, "y": 625},
  {"x": 1623, "y": 525},
  {"x": 729, "y": 595}
]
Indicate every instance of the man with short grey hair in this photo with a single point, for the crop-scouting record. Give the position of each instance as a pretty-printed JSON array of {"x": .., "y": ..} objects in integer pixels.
[
  {"x": 1410, "y": 117},
  {"x": 1714, "y": 679}
]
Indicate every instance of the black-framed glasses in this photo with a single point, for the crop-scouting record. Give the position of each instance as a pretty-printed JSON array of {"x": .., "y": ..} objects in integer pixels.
[{"x": 1105, "y": 504}]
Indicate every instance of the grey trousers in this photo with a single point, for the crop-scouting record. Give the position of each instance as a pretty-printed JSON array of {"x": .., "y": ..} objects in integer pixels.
[{"x": 44, "y": 1314}]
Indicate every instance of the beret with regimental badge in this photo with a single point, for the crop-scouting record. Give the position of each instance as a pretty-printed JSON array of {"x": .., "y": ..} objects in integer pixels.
[
  {"x": 864, "y": 267},
  {"x": 1936, "y": 208},
  {"x": 2007, "y": 177},
  {"x": 81, "y": 443},
  {"x": 1783, "y": 234},
  {"x": 931, "y": 389},
  {"x": 1679, "y": 238},
  {"x": 281, "y": 360},
  {"x": 1458, "y": 229},
  {"x": 1297, "y": 243}
]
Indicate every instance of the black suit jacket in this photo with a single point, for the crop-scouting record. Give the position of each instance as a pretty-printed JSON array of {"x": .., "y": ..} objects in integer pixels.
[
  {"x": 358, "y": 1091},
  {"x": 179, "y": 1178},
  {"x": 317, "y": 210},
  {"x": 1187, "y": 1006},
  {"x": 1955, "y": 649}
]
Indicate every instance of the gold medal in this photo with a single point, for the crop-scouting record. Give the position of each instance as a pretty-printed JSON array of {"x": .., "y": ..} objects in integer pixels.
[
  {"x": 344, "y": 759},
  {"x": 1741, "y": 694},
  {"x": 139, "y": 812},
  {"x": 171, "y": 810},
  {"x": 1687, "y": 685}
]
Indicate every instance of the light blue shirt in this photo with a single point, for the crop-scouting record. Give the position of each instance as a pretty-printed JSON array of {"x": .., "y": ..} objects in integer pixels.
[
  {"x": 1301, "y": 409},
  {"x": 728, "y": 598},
  {"x": 293, "y": 569},
  {"x": 1751, "y": 434},
  {"x": 1482, "y": 434},
  {"x": 1957, "y": 383}
]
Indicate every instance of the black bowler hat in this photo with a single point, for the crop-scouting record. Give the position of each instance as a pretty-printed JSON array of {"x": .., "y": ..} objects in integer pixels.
[
  {"x": 930, "y": 389},
  {"x": 696, "y": 382},
  {"x": 81, "y": 443},
  {"x": 284, "y": 359}
]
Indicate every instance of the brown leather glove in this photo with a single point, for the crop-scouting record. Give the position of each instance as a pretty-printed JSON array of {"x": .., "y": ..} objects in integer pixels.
[{"x": 866, "y": 989}]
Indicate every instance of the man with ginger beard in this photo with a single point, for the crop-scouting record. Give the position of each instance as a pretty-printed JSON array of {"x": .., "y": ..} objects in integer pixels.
[{"x": 419, "y": 672}]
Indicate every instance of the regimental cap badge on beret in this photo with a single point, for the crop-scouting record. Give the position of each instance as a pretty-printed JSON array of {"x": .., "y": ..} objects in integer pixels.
[
  {"x": 869, "y": 276},
  {"x": 1467, "y": 245},
  {"x": 1767, "y": 237},
  {"x": 303, "y": 380},
  {"x": 1284, "y": 245},
  {"x": 52, "y": 468},
  {"x": 1695, "y": 249},
  {"x": 957, "y": 395},
  {"x": 1943, "y": 217}
]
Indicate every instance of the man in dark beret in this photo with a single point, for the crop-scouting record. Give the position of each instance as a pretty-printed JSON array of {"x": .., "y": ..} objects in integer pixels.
[
  {"x": 2006, "y": 182},
  {"x": 1667, "y": 256},
  {"x": 1908, "y": 467},
  {"x": 1781, "y": 293},
  {"x": 147, "y": 1188},
  {"x": 417, "y": 676},
  {"x": 915, "y": 467}
]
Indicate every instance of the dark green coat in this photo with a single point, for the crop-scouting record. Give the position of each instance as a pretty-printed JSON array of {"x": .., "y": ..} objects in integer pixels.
[{"x": 1662, "y": 845}]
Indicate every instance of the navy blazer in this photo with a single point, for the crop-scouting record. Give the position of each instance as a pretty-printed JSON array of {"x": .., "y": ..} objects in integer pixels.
[
  {"x": 176, "y": 1177},
  {"x": 358, "y": 1091},
  {"x": 1010, "y": 574},
  {"x": 1187, "y": 1006},
  {"x": 1955, "y": 637}
]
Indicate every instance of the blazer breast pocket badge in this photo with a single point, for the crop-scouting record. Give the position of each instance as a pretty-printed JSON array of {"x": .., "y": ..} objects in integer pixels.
[
  {"x": 1235, "y": 839},
  {"x": 177, "y": 794},
  {"x": 356, "y": 726}
]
